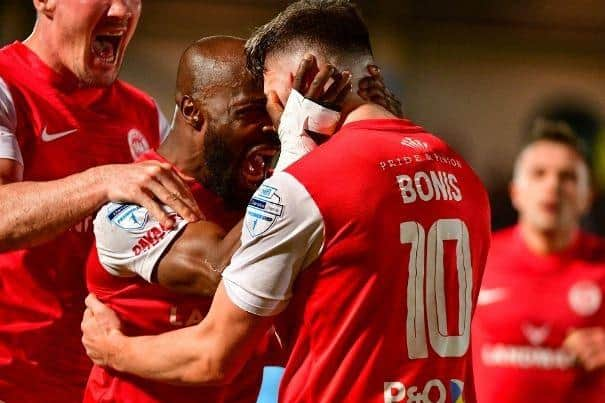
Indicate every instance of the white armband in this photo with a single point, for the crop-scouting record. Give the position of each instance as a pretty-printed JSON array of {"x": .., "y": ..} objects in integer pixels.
[{"x": 302, "y": 114}]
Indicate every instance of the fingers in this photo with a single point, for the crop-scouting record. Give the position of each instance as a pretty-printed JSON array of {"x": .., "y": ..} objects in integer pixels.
[
  {"x": 316, "y": 89},
  {"x": 588, "y": 345},
  {"x": 93, "y": 304},
  {"x": 307, "y": 69},
  {"x": 376, "y": 74},
  {"x": 175, "y": 194},
  {"x": 142, "y": 198},
  {"x": 339, "y": 89},
  {"x": 274, "y": 108}
]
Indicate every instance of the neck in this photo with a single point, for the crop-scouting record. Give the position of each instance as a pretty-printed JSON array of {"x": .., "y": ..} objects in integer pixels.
[
  {"x": 175, "y": 150},
  {"x": 41, "y": 43},
  {"x": 363, "y": 111},
  {"x": 546, "y": 242}
]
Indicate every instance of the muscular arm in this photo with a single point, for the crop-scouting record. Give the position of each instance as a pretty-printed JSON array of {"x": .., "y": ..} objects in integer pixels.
[
  {"x": 192, "y": 265},
  {"x": 210, "y": 353},
  {"x": 35, "y": 212}
]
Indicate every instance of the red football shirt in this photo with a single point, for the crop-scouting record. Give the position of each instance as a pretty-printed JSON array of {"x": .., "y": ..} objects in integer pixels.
[
  {"x": 147, "y": 309},
  {"x": 60, "y": 129},
  {"x": 527, "y": 306},
  {"x": 381, "y": 297}
]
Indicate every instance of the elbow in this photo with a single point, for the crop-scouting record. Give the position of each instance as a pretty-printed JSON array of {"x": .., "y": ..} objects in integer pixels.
[{"x": 207, "y": 374}]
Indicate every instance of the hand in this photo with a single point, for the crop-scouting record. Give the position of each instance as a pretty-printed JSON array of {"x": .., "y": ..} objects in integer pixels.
[
  {"x": 150, "y": 184},
  {"x": 372, "y": 89},
  {"x": 311, "y": 81},
  {"x": 100, "y": 327},
  {"x": 588, "y": 346}
]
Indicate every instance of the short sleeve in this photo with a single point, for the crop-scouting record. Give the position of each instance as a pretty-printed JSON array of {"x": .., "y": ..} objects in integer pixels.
[
  {"x": 130, "y": 241},
  {"x": 283, "y": 234},
  {"x": 9, "y": 146}
]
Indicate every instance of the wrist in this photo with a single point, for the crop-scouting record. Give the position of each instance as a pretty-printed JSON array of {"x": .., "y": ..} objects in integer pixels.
[
  {"x": 96, "y": 184},
  {"x": 117, "y": 348}
]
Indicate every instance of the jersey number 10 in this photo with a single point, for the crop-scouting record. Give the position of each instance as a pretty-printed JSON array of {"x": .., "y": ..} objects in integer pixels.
[{"x": 432, "y": 267}]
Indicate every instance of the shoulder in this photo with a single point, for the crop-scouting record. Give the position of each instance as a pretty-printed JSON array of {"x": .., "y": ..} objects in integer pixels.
[
  {"x": 593, "y": 247},
  {"x": 121, "y": 228},
  {"x": 133, "y": 93}
]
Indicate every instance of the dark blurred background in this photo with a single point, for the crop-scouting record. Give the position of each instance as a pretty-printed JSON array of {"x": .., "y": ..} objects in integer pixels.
[{"x": 477, "y": 73}]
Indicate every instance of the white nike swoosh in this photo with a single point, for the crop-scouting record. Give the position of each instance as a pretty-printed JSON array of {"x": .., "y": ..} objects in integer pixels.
[
  {"x": 492, "y": 295},
  {"x": 50, "y": 137}
]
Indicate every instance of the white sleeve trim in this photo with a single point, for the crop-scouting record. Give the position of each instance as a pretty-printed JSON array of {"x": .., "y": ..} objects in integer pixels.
[
  {"x": 131, "y": 242},
  {"x": 164, "y": 126},
  {"x": 283, "y": 234},
  {"x": 9, "y": 146}
]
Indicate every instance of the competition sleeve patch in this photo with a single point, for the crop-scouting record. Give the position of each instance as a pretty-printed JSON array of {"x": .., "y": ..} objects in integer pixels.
[
  {"x": 263, "y": 210},
  {"x": 129, "y": 217}
]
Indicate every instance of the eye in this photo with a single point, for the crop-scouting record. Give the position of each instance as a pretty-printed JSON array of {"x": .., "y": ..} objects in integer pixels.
[{"x": 538, "y": 173}]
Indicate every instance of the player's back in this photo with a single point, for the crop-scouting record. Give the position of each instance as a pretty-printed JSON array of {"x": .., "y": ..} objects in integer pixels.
[{"x": 384, "y": 313}]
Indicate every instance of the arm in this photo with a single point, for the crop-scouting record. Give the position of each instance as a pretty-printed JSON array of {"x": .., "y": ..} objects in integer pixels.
[
  {"x": 193, "y": 264},
  {"x": 34, "y": 212},
  {"x": 256, "y": 286},
  {"x": 210, "y": 353}
]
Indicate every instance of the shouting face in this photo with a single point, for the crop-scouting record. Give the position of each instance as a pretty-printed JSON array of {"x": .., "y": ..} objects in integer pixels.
[{"x": 89, "y": 37}]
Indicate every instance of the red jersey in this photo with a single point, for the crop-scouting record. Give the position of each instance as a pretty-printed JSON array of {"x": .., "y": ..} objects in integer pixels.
[
  {"x": 381, "y": 307},
  {"x": 145, "y": 308},
  {"x": 55, "y": 129},
  {"x": 527, "y": 306}
]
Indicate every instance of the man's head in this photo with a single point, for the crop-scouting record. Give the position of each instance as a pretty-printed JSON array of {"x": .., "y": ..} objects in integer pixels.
[
  {"x": 222, "y": 120},
  {"x": 551, "y": 182},
  {"x": 87, "y": 37},
  {"x": 332, "y": 30}
]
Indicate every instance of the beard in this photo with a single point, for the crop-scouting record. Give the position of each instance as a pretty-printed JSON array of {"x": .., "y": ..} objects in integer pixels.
[{"x": 221, "y": 173}]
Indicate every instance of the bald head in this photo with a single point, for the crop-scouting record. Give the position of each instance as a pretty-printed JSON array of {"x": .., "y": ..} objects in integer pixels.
[{"x": 210, "y": 63}]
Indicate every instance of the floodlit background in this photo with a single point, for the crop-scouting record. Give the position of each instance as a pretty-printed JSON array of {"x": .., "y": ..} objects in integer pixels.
[{"x": 476, "y": 73}]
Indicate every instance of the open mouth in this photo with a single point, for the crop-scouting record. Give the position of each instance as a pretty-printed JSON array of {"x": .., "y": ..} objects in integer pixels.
[
  {"x": 262, "y": 158},
  {"x": 106, "y": 46}
]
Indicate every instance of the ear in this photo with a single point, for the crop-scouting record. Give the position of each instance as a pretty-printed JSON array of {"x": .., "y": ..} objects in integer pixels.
[
  {"x": 191, "y": 113},
  {"x": 46, "y": 7}
]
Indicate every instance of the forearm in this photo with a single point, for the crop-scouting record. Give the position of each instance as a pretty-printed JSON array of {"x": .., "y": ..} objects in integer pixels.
[
  {"x": 34, "y": 212},
  {"x": 185, "y": 356}
]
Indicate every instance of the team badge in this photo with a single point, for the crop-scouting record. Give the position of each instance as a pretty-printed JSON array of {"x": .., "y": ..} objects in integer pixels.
[
  {"x": 457, "y": 390},
  {"x": 137, "y": 142},
  {"x": 263, "y": 210},
  {"x": 129, "y": 217},
  {"x": 536, "y": 335},
  {"x": 585, "y": 297}
]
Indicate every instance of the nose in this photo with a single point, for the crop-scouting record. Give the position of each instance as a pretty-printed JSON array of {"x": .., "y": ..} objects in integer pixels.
[{"x": 122, "y": 9}]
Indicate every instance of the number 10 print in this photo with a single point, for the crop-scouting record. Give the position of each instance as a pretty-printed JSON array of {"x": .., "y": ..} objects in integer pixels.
[{"x": 436, "y": 315}]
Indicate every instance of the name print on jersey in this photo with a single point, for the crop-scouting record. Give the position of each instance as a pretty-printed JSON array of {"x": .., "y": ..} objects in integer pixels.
[{"x": 434, "y": 185}]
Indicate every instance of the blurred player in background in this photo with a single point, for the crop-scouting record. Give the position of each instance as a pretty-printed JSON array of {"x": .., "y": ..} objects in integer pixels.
[
  {"x": 543, "y": 284},
  {"x": 368, "y": 251},
  {"x": 62, "y": 114}
]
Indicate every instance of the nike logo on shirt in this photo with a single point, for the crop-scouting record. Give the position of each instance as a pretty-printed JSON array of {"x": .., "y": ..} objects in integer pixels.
[
  {"x": 492, "y": 295},
  {"x": 51, "y": 137}
]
